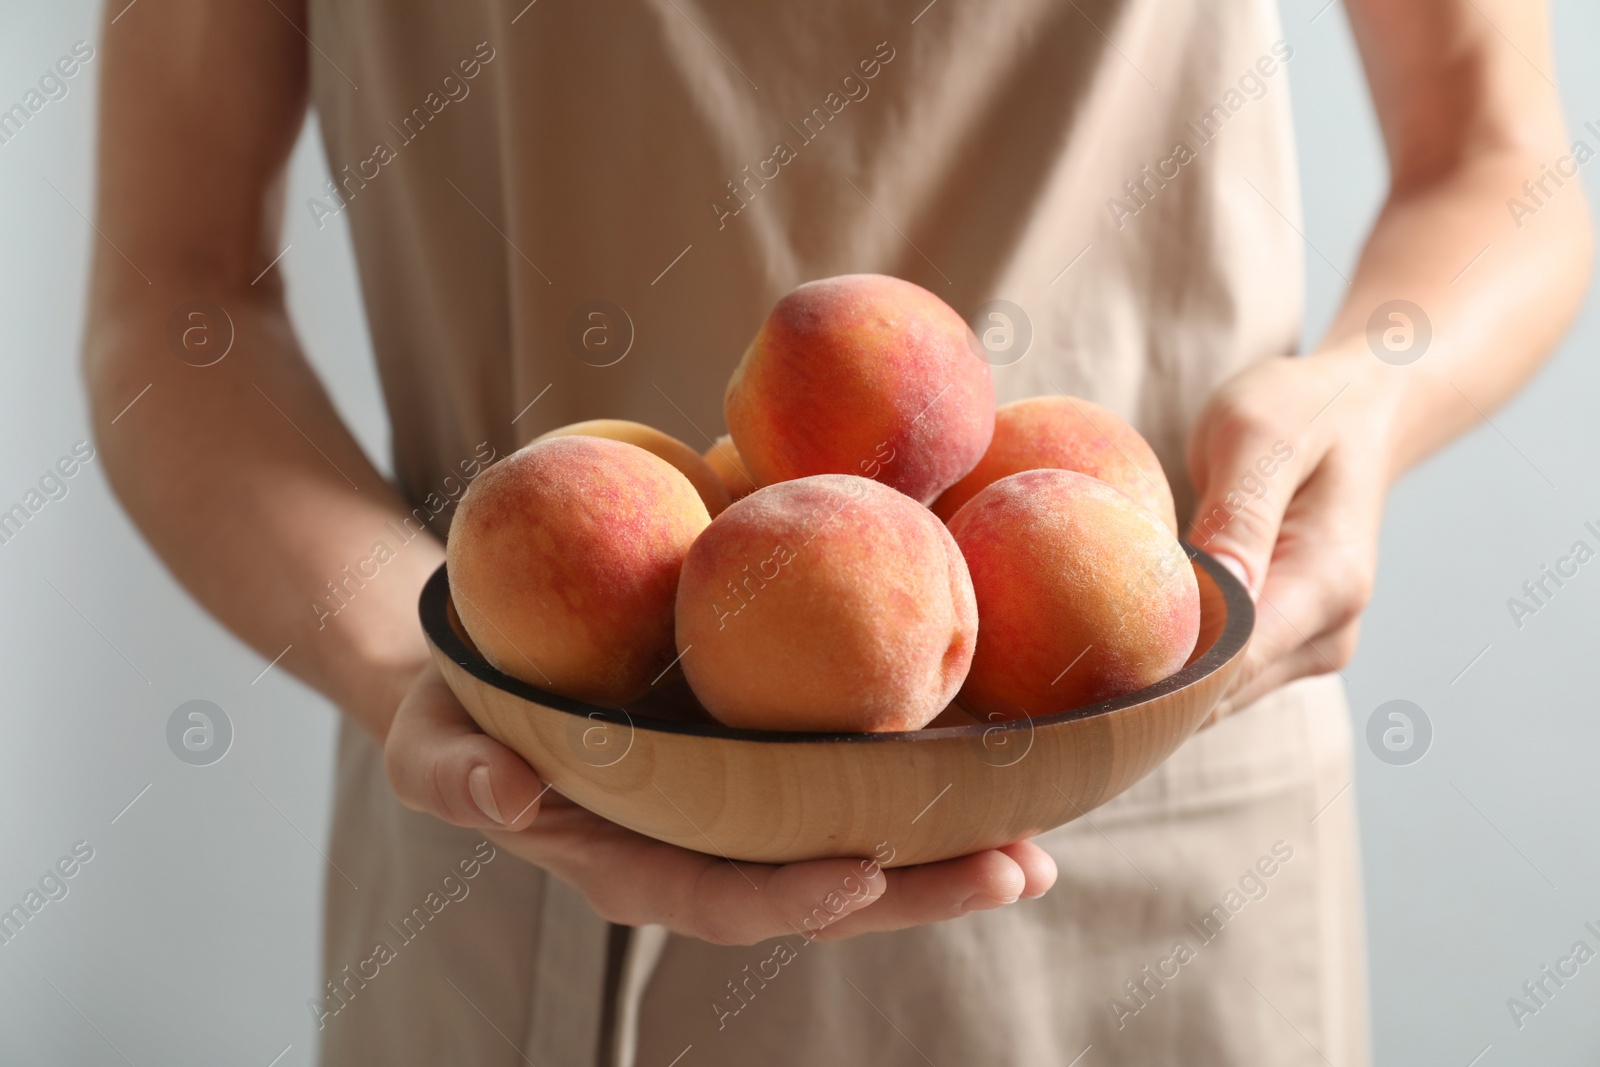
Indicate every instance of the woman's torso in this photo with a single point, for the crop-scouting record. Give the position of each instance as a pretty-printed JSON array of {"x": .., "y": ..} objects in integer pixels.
[{"x": 1122, "y": 172}]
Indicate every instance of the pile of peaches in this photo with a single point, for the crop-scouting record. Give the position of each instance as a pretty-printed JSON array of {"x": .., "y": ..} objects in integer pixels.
[{"x": 871, "y": 542}]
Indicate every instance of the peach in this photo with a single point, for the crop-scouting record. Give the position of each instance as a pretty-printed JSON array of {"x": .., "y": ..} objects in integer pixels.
[
  {"x": 825, "y": 603},
  {"x": 862, "y": 374},
  {"x": 564, "y": 560},
  {"x": 1083, "y": 595},
  {"x": 1067, "y": 433},
  {"x": 723, "y": 457},
  {"x": 705, "y": 480}
]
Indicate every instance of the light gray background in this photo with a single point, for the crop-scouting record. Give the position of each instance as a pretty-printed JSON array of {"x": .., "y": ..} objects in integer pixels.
[{"x": 191, "y": 937}]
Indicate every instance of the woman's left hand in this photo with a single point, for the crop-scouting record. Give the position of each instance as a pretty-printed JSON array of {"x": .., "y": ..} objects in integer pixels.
[{"x": 1291, "y": 461}]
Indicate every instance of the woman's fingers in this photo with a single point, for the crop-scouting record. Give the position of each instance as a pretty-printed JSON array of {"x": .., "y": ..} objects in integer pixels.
[
  {"x": 1246, "y": 474},
  {"x": 733, "y": 904},
  {"x": 638, "y": 881},
  {"x": 1318, "y": 580},
  {"x": 934, "y": 892},
  {"x": 438, "y": 761},
  {"x": 631, "y": 879},
  {"x": 1038, "y": 868},
  {"x": 1320, "y": 655}
]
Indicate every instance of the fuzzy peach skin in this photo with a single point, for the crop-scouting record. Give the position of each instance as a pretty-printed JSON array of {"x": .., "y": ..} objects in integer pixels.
[
  {"x": 707, "y": 482},
  {"x": 826, "y": 603},
  {"x": 723, "y": 457},
  {"x": 564, "y": 560},
  {"x": 1067, "y": 433},
  {"x": 862, "y": 374},
  {"x": 1083, "y": 595}
]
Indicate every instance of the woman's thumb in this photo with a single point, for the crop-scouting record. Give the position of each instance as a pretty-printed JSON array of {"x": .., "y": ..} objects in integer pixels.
[{"x": 1246, "y": 485}]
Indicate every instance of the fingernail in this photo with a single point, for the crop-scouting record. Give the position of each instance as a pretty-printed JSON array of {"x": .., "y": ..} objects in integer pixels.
[
  {"x": 1237, "y": 570},
  {"x": 483, "y": 794},
  {"x": 984, "y": 902}
]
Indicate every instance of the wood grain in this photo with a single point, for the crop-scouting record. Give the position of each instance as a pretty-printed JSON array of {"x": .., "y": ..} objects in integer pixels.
[{"x": 663, "y": 768}]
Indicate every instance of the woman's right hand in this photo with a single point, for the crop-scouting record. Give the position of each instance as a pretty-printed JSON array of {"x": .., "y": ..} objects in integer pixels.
[{"x": 441, "y": 763}]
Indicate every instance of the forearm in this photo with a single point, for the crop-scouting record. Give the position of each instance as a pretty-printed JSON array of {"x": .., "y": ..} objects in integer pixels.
[
  {"x": 240, "y": 474},
  {"x": 250, "y": 488},
  {"x": 1471, "y": 120},
  {"x": 1497, "y": 297}
]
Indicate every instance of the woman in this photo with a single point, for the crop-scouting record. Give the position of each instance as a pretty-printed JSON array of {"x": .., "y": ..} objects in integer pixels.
[{"x": 1121, "y": 172}]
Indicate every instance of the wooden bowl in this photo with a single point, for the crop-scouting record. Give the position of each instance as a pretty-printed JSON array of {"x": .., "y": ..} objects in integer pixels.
[{"x": 664, "y": 768}]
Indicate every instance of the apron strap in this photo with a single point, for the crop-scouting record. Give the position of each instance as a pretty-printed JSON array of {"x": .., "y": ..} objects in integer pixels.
[
  {"x": 644, "y": 946},
  {"x": 569, "y": 979}
]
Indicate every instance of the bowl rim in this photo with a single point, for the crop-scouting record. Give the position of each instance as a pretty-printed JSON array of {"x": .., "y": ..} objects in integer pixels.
[{"x": 433, "y": 609}]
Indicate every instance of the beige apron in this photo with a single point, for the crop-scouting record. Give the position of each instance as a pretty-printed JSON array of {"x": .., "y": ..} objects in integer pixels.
[{"x": 1121, "y": 171}]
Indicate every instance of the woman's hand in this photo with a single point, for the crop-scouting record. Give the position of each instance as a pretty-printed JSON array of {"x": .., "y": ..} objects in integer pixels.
[
  {"x": 439, "y": 762},
  {"x": 1291, "y": 460}
]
